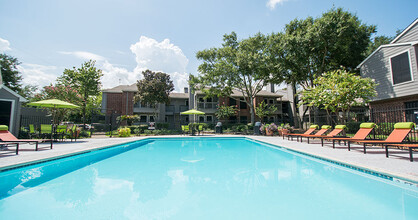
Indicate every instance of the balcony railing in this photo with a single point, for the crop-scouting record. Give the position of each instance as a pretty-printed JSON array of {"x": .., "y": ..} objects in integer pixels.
[
  {"x": 184, "y": 108},
  {"x": 169, "y": 108},
  {"x": 207, "y": 105}
]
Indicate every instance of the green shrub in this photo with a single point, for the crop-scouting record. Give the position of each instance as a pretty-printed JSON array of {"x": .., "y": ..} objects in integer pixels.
[
  {"x": 162, "y": 125},
  {"x": 148, "y": 132},
  {"x": 353, "y": 127},
  {"x": 124, "y": 132}
]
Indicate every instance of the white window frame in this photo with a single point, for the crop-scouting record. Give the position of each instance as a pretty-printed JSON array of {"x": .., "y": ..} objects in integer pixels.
[{"x": 410, "y": 68}]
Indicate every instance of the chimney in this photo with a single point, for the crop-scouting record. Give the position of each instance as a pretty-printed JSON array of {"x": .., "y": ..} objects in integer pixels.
[
  {"x": 271, "y": 85},
  {"x": 186, "y": 90}
]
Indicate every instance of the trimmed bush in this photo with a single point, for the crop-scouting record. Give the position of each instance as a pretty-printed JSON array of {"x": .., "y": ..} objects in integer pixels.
[{"x": 124, "y": 132}]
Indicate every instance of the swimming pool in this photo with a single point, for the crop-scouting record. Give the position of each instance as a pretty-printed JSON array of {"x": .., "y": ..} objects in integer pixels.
[{"x": 199, "y": 178}]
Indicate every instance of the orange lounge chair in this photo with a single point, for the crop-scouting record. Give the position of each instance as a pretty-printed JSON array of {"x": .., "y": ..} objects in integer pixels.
[
  {"x": 409, "y": 146},
  {"x": 7, "y": 137},
  {"x": 400, "y": 132},
  {"x": 337, "y": 130},
  {"x": 324, "y": 129},
  {"x": 2, "y": 144},
  {"x": 361, "y": 134},
  {"x": 311, "y": 129}
]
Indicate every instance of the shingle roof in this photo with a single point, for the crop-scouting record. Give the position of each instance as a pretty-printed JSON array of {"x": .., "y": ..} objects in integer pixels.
[
  {"x": 178, "y": 95},
  {"x": 133, "y": 88},
  {"x": 264, "y": 93},
  {"x": 121, "y": 88}
]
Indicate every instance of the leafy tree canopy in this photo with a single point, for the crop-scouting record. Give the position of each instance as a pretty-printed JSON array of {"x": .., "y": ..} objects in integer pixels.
[
  {"x": 239, "y": 64},
  {"x": 11, "y": 76},
  {"x": 377, "y": 42},
  {"x": 224, "y": 111},
  {"x": 311, "y": 47},
  {"x": 263, "y": 110},
  {"x": 86, "y": 80},
  {"x": 339, "y": 90},
  {"x": 154, "y": 88}
]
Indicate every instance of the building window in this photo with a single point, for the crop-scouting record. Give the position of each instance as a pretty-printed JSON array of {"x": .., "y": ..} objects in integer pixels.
[
  {"x": 232, "y": 102},
  {"x": 151, "y": 118},
  {"x": 209, "y": 118},
  {"x": 242, "y": 104},
  {"x": 143, "y": 118},
  {"x": 401, "y": 69},
  {"x": 201, "y": 119},
  {"x": 187, "y": 103},
  {"x": 243, "y": 119}
]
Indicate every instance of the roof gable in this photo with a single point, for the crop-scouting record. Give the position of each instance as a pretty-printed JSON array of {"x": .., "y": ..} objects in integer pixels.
[{"x": 406, "y": 30}]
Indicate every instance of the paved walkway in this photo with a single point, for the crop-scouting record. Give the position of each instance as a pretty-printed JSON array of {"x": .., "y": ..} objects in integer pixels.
[{"x": 397, "y": 165}]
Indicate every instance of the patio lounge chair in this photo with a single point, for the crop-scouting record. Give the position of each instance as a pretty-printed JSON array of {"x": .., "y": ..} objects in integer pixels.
[
  {"x": 200, "y": 129},
  {"x": 337, "y": 130},
  {"x": 7, "y": 137},
  {"x": 185, "y": 129},
  {"x": 5, "y": 145},
  {"x": 410, "y": 147},
  {"x": 399, "y": 133},
  {"x": 361, "y": 134},
  {"x": 324, "y": 129},
  {"x": 311, "y": 129}
]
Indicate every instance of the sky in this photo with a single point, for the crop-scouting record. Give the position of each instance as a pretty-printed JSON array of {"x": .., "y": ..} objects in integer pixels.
[{"x": 126, "y": 37}]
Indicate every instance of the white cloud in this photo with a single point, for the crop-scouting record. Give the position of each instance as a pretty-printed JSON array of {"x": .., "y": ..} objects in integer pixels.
[
  {"x": 272, "y": 3},
  {"x": 161, "y": 56},
  {"x": 113, "y": 75},
  {"x": 84, "y": 55},
  {"x": 4, "y": 45},
  {"x": 149, "y": 54},
  {"x": 39, "y": 75}
]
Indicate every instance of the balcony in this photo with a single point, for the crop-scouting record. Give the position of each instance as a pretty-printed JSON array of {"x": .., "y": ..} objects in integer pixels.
[
  {"x": 207, "y": 105},
  {"x": 184, "y": 108},
  {"x": 169, "y": 108}
]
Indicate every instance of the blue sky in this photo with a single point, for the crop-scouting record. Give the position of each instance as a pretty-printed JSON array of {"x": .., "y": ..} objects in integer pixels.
[{"x": 128, "y": 36}]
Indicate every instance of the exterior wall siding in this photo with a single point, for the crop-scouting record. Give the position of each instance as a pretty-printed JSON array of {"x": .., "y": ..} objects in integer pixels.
[
  {"x": 378, "y": 67},
  {"x": 15, "y": 114},
  {"x": 410, "y": 35}
]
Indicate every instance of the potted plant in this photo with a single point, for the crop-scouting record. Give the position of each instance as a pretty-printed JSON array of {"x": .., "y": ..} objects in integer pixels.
[{"x": 270, "y": 129}]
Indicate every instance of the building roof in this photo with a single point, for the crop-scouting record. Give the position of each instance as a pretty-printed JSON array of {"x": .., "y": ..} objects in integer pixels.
[
  {"x": 384, "y": 46},
  {"x": 133, "y": 88},
  {"x": 179, "y": 95},
  {"x": 404, "y": 31},
  {"x": 392, "y": 43},
  {"x": 21, "y": 99},
  {"x": 121, "y": 88},
  {"x": 263, "y": 93}
]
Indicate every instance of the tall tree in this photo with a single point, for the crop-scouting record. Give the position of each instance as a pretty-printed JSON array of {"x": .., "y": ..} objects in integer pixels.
[
  {"x": 310, "y": 47},
  {"x": 154, "y": 88},
  {"x": 377, "y": 42},
  {"x": 85, "y": 79},
  {"x": 337, "y": 91},
  {"x": 9, "y": 72},
  {"x": 239, "y": 64}
]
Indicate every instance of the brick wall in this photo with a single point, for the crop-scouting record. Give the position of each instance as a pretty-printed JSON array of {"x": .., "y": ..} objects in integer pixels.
[
  {"x": 114, "y": 103},
  {"x": 392, "y": 103}
]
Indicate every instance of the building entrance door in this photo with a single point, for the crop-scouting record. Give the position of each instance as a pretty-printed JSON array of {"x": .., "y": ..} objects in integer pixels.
[{"x": 5, "y": 112}]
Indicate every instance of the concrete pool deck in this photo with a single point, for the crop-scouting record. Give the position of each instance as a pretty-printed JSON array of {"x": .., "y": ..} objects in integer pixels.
[{"x": 397, "y": 165}]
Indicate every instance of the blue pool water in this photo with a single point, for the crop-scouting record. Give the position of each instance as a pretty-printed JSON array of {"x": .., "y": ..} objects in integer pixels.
[{"x": 199, "y": 178}]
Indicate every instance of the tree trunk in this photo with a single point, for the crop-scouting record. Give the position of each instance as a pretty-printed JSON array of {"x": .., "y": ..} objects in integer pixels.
[
  {"x": 295, "y": 110},
  {"x": 252, "y": 113}
]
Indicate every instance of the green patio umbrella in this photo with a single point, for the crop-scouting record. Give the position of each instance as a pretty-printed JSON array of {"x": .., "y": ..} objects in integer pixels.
[
  {"x": 54, "y": 104},
  {"x": 192, "y": 112}
]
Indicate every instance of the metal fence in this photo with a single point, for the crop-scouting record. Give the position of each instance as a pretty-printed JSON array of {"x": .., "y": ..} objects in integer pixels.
[{"x": 385, "y": 119}]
